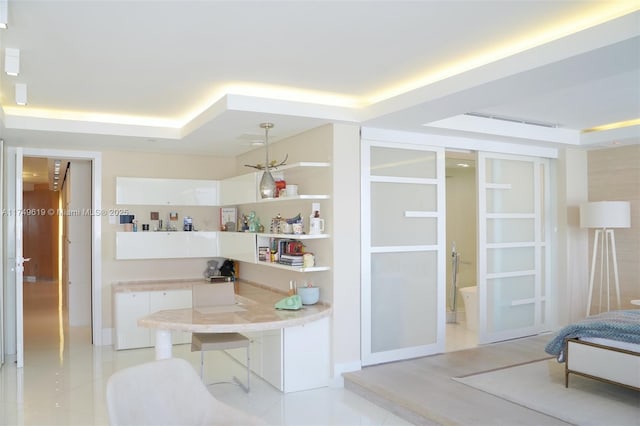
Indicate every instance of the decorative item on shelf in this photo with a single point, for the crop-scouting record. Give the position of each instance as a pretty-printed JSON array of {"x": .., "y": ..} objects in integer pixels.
[
  {"x": 281, "y": 184},
  {"x": 188, "y": 224},
  {"x": 277, "y": 225},
  {"x": 316, "y": 225},
  {"x": 308, "y": 260},
  {"x": 298, "y": 228},
  {"x": 603, "y": 216},
  {"x": 254, "y": 222},
  {"x": 244, "y": 227},
  {"x": 228, "y": 218},
  {"x": 264, "y": 254},
  {"x": 291, "y": 191},
  {"x": 173, "y": 221},
  {"x": 127, "y": 221},
  {"x": 292, "y": 224},
  {"x": 155, "y": 217},
  {"x": 267, "y": 185}
]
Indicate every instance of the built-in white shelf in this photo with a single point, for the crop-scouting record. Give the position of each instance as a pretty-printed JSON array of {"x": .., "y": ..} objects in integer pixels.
[{"x": 294, "y": 268}]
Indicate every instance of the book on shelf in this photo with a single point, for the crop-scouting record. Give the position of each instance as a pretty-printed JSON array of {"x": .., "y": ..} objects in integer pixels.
[
  {"x": 264, "y": 254},
  {"x": 290, "y": 263}
]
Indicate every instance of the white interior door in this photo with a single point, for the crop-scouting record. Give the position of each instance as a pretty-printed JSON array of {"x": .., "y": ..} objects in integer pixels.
[
  {"x": 2, "y": 285},
  {"x": 403, "y": 253},
  {"x": 17, "y": 260},
  {"x": 513, "y": 252}
]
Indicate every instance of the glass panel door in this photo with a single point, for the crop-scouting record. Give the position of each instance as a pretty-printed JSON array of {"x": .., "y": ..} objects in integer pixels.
[
  {"x": 512, "y": 241},
  {"x": 403, "y": 251}
]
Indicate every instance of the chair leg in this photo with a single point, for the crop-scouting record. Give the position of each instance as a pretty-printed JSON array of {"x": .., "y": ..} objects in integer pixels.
[
  {"x": 202, "y": 365},
  {"x": 248, "y": 368}
]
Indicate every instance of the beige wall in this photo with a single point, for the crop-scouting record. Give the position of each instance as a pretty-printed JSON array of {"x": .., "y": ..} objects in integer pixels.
[
  {"x": 313, "y": 145},
  {"x": 614, "y": 175},
  {"x": 135, "y": 164},
  {"x": 339, "y": 145}
]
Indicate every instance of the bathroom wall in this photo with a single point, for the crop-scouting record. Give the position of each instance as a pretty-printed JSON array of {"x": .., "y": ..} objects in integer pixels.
[{"x": 461, "y": 226}]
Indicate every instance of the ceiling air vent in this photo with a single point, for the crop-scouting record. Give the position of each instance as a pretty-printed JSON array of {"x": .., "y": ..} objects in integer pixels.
[{"x": 513, "y": 120}]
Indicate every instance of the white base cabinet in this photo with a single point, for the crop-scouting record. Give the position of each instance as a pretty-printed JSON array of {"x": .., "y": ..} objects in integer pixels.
[
  {"x": 128, "y": 307},
  {"x": 292, "y": 359}
]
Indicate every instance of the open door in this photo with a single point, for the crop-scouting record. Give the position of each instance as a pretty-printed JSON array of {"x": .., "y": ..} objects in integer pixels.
[
  {"x": 2, "y": 225},
  {"x": 15, "y": 259},
  {"x": 513, "y": 252}
]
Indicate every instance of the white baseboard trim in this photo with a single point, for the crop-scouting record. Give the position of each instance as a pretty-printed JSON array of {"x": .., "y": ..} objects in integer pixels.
[
  {"x": 107, "y": 337},
  {"x": 337, "y": 381}
]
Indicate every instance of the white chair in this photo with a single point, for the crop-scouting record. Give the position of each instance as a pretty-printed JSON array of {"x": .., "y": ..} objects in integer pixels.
[
  {"x": 212, "y": 295},
  {"x": 167, "y": 392}
]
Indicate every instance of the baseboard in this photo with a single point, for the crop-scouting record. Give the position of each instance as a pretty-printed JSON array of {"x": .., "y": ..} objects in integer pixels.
[
  {"x": 337, "y": 381},
  {"x": 107, "y": 337}
]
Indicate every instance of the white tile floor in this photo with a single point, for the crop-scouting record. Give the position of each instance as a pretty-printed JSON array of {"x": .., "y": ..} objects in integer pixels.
[{"x": 64, "y": 377}]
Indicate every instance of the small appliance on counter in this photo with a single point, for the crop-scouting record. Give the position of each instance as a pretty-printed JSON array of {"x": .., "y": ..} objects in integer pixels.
[{"x": 292, "y": 303}]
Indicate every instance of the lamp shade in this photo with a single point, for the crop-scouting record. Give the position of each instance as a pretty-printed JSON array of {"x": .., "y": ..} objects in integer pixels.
[{"x": 605, "y": 214}]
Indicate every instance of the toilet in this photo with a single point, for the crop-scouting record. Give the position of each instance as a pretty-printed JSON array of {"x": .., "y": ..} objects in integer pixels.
[{"x": 470, "y": 300}]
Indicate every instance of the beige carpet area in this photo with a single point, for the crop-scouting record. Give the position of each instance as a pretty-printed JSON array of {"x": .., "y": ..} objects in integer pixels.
[{"x": 540, "y": 386}]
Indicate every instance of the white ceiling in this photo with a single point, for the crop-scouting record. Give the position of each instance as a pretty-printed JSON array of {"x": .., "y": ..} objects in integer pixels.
[{"x": 199, "y": 76}]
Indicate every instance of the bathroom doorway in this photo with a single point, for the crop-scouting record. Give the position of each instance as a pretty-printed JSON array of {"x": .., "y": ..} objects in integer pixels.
[{"x": 461, "y": 300}]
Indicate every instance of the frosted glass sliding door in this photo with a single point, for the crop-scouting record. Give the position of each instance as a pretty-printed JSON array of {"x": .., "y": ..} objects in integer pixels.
[
  {"x": 402, "y": 246},
  {"x": 513, "y": 246}
]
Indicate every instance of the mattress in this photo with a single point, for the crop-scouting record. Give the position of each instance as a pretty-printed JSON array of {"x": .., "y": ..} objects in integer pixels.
[{"x": 633, "y": 347}]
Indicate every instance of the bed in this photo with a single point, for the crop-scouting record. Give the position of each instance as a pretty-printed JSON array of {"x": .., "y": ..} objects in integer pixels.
[{"x": 604, "y": 347}]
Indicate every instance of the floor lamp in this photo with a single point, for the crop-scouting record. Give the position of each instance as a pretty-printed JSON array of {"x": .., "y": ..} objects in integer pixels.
[{"x": 604, "y": 216}]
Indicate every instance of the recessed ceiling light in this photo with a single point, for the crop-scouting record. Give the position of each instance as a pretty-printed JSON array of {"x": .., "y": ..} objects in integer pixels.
[
  {"x": 21, "y": 94},
  {"x": 12, "y": 61},
  {"x": 463, "y": 165},
  {"x": 4, "y": 13}
]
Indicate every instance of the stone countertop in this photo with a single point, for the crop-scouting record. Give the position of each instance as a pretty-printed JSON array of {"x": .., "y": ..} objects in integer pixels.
[
  {"x": 254, "y": 311},
  {"x": 131, "y": 286}
]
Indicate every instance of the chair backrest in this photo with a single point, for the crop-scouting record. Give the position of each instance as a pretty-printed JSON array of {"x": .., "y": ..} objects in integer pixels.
[
  {"x": 161, "y": 392},
  {"x": 167, "y": 392},
  {"x": 213, "y": 294}
]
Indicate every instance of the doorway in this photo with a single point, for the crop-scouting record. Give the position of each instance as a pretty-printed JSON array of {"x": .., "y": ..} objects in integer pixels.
[
  {"x": 461, "y": 331},
  {"x": 13, "y": 304},
  {"x": 405, "y": 252},
  {"x": 57, "y": 278}
]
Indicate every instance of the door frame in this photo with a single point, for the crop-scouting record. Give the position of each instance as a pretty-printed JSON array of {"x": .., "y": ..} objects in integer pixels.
[
  {"x": 473, "y": 144},
  {"x": 96, "y": 238},
  {"x": 541, "y": 244},
  {"x": 367, "y": 356}
]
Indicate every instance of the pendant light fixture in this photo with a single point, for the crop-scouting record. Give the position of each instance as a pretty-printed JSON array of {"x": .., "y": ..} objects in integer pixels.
[{"x": 267, "y": 183}]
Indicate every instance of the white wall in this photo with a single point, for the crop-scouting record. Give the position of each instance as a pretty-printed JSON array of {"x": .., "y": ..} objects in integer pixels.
[
  {"x": 80, "y": 245},
  {"x": 572, "y": 252},
  {"x": 346, "y": 251}
]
